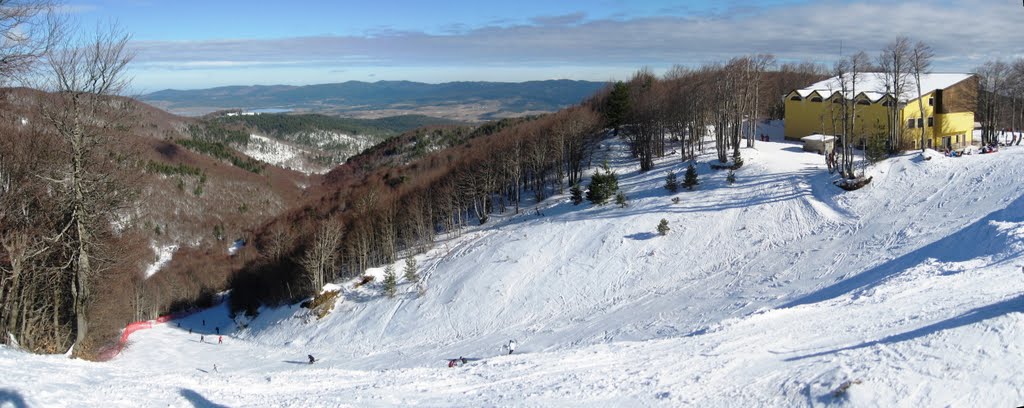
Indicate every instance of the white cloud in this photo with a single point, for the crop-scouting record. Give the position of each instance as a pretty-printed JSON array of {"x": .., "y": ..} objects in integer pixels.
[{"x": 963, "y": 34}]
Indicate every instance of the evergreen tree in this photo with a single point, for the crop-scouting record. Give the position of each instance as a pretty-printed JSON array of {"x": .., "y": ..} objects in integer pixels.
[
  {"x": 577, "y": 194},
  {"x": 618, "y": 106},
  {"x": 390, "y": 281},
  {"x": 620, "y": 199},
  {"x": 731, "y": 177},
  {"x": 671, "y": 183},
  {"x": 690, "y": 179},
  {"x": 737, "y": 161},
  {"x": 410, "y": 270},
  {"x": 663, "y": 227},
  {"x": 602, "y": 186}
]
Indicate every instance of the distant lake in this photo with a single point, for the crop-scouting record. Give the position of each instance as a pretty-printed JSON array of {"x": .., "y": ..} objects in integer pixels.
[{"x": 270, "y": 110}]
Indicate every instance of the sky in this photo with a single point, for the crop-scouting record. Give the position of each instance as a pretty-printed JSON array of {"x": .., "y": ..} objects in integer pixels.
[{"x": 190, "y": 44}]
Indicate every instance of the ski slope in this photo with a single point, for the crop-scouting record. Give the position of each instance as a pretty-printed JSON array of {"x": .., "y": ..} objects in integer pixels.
[{"x": 778, "y": 290}]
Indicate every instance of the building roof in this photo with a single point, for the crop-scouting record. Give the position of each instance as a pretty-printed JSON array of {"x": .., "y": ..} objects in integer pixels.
[
  {"x": 872, "y": 85},
  {"x": 818, "y": 138}
]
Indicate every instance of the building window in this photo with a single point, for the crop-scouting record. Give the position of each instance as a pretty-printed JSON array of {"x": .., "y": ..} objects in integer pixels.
[
  {"x": 920, "y": 122},
  {"x": 931, "y": 121},
  {"x": 795, "y": 98},
  {"x": 910, "y": 123},
  {"x": 887, "y": 104},
  {"x": 931, "y": 101},
  {"x": 837, "y": 100},
  {"x": 863, "y": 102},
  {"x": 815, "y": 99}
]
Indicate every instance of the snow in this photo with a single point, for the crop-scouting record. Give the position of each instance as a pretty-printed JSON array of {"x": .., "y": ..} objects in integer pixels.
[
  {"x": 777, "y": 290},
  {"x": 277, "y": 153},
  {"x": 818, "y": 138},
  {"x": 163, "y": 256},
  {"x": 872, "y": 85}
]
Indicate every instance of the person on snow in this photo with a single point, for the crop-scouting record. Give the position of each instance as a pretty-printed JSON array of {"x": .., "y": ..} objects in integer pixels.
[
  {"x": 220, "y": 339},
  {"x": 311, "y": 359},
  {"x": 511, "y": 346},
  {"x": 451, "y": 363},
  {"x": 202, "y": 340},
  {"x": 463, "y": 359}
]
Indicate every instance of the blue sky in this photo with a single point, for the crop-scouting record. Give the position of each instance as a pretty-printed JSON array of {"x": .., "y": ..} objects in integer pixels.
[{"x": 195, "y": 44}]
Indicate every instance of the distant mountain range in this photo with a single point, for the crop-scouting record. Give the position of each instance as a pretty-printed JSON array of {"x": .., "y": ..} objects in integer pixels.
[{"x": 453, "y": 100}]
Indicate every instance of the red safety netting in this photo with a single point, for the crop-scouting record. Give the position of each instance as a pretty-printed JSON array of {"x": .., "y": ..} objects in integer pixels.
[{"x": 113, "y": 351}]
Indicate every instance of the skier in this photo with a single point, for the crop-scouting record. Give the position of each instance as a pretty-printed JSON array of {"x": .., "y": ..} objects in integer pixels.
[
  {"x": 311, "y": 359},
  {"x": 451, "y": 363},
  {"x": 215, "y": 368},
  {"x": 202, "y": 340},
  {"x": 463, "y": 360},
  {"x": 220, "y": 339},
  {"x": 511, "y": 346}
]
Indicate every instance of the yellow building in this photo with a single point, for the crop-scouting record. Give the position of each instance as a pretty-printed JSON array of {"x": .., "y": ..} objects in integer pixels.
[{"x": 948, "y": 121}]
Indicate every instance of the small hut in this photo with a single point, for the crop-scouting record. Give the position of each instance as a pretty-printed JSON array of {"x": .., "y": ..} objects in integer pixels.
[{"x": 823, "y": 144}]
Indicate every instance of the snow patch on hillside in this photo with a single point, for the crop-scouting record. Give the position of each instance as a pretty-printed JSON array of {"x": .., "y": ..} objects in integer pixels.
[
  {"x": 164, "y": 253},
  {"x": 280, "y": 154}
]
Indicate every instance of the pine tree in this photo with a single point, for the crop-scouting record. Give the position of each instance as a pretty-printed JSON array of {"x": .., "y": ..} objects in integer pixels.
[
  {"x": 602, "y": 186},
  {"x": 618, "y": 106},
  {"x": 390, "y": 281},
  {"x": 671, "y": 183},
  {"x": 410, "y": 270},
  {"x": 663, "y": 227},
  {"x": 690, "y": 179},
  {"x": 731, "y": 177},
  {"x": 737, "y": 161},
  {"x": 620, "y": 199},
  {"x": 577, "y": 194}
]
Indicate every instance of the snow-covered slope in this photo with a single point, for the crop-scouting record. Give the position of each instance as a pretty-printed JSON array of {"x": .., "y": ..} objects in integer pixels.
[
  {"x": 278, "y": 153},
  {"x": 778, "y": 290},
  {"x": 301, "y": 151}
]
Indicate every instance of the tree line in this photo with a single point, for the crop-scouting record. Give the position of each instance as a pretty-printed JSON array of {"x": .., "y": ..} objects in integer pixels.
[
  {"x": 721, "y": 101},
  {"x": 1001, "y": 98},
  {"x": 373, "y": 220}
]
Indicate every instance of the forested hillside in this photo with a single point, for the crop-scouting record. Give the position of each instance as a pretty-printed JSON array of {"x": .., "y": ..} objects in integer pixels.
[
  {"x": 180, "y": 189},
  {"x": 314, "y": 143}
]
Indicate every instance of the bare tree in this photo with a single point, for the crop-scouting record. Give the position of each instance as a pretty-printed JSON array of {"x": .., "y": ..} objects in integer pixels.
[
  {"x": 849, "y": 72},
  {"x": 86, "y": 75},
  {"x": 28, "y": 30},
  {"x": 994, "y": 78},
  {"x": 921, "y": 64},
  {"x": 320, "y": 260},
  {"x": 894, "y": 63}
]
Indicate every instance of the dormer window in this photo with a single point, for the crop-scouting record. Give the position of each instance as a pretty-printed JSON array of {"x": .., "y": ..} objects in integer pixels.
[
  {"x": 863, "y": 102},
  {"x": 816, "y": 99},
  {"x": 795, "y": 98}
]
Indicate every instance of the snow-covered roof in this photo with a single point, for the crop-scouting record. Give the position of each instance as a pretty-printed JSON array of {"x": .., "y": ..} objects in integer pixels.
[
  {"x": 818, "y": 138},
  {"x": 872, "y": 85}
]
